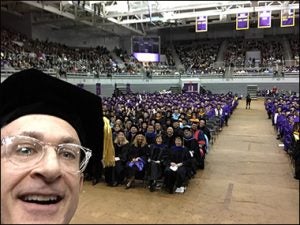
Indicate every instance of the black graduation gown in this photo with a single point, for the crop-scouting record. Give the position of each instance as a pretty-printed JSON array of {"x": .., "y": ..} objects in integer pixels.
[
  {"x": 156, "y": 153},
  {"x": 192, "y": 145},
  {"x": 178, "y": 177},
  {"x": 121, "y": 151},
  {"x": 169, "y": 140},
  {"x": 135, "y": 152}
]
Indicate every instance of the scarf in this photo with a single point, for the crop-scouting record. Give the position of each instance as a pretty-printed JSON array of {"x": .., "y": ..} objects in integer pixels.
[{"x": 108, "y": 146}]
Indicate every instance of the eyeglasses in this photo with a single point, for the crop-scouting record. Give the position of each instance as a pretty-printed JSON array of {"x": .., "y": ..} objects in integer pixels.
[{"x": 26, "y": 151}]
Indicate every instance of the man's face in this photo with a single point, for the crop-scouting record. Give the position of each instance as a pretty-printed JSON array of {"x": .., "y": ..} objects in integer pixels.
[
  {"x": 187, "y": 133},
  {"x": 178, "y": 142},
  {"x": 202, "y": 123},
  {"x": 175, "y": 124},
  {"x": 157, "y": 126},
  {"x": 194, "y": 126},
  {"x": 133, "y": 130},
  {"x": 170, "y": 131},
  {"x": 150, "y": 129},
  {"x": 22, "y": 190}
]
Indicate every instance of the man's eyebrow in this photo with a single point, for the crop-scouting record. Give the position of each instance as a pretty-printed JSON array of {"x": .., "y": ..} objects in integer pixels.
[
  {"x": 33, "y": 134},
  {"x": 68, "y": 139},
  {"x": 41, "y": 136}
]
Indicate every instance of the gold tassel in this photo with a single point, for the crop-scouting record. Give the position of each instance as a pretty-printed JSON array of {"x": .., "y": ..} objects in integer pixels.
[{"x": 108, "y": 146}]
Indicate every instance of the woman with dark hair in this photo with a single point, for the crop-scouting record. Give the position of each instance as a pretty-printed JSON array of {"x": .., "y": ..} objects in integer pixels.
[{"x": 156, "y": 161}]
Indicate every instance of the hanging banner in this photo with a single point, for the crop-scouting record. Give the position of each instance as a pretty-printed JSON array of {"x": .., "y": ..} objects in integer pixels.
[
  {"x": 98, "y": 89},
  {"x": 201, "y": 24},
  {"x": 242, "y": 21},
  {"x": 264, "y": 19},
  {"x": 287, "y": 18}
]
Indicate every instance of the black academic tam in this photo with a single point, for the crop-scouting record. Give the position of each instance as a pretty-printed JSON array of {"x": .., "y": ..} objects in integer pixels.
[{"x": 34, "y": 92}]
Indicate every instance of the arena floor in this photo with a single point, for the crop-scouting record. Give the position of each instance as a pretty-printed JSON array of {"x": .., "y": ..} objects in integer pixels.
[{"x": 248, "y": 179}]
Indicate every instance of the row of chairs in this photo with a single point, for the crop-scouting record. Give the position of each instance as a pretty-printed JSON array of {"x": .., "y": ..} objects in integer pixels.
[{"x": 214, "y": 127}]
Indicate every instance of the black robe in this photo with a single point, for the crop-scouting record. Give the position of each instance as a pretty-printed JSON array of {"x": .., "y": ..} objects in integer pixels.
[
  {"x": 156, "y": 153},
  {"x": 179, "y": 177},
  {"x": 134, "y": 152},
  {"x": 192, "y": 145}
]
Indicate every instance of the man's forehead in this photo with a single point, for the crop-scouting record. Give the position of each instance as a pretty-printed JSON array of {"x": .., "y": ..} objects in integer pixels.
[{"x": 41, "y": 127}]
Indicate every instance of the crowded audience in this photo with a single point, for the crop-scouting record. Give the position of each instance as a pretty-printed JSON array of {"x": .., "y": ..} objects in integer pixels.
[
  {"x": 19, "y": 52},
  {"x": 283, "y": 111},
  {"x": 271, "y": 52},
  {"x": 199, "y": 57},
  {"x": 161, "y": 141}
]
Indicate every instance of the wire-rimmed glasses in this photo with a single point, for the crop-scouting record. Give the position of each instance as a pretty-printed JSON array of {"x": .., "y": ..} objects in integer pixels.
[{"x": 27, "y": 151}]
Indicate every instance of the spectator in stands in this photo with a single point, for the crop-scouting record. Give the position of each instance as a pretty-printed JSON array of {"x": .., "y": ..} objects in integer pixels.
[{"x": 51, "y": 178}]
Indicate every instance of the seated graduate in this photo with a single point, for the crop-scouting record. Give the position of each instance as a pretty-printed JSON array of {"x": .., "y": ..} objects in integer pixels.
[
  {"x": 156, "y": 161},
  {"x": 192, "y": 146},
  {"x": 121, "y": 145},
  {"x": 169, "y": 138},
  {"x": 136, "y": 159},
  {"x": 178, "y": 163}
]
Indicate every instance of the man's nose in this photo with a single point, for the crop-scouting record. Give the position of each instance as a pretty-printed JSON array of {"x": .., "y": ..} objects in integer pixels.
[{"x": 49, "y": 167}]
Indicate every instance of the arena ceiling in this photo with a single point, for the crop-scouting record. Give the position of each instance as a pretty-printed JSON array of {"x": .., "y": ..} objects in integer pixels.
[{"x": 137, "y": 17}]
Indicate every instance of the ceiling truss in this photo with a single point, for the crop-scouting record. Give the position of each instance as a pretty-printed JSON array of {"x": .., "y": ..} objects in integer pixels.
[{"x": 139, "y": 17}]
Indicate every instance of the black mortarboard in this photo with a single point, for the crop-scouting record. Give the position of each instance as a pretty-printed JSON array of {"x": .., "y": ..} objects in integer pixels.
[{"x": 34, "y": 92}]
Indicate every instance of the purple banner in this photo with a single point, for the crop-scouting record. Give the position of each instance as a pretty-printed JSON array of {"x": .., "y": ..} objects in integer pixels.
[
  {"x": 287, "y": 18},
  {"x": 98, "y": 89},
  {"x": 242, "y": 21},
  {"x": 201, "y": 24},
  {"x": 264, "y": 19}
]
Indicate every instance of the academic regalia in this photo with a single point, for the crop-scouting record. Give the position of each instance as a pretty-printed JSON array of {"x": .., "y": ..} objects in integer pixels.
[
  {"x": 121, "y": 151},
  {"x": 150, "y": 137},
  {"x": 169, "y": 140},
  {"x": 33, "y": 92},
  {"x": 192, "y": 146},
  {"x": 136, "y": 168},
  {"x": 177, "y": 154},
  {"x": 157, "y": 156}
]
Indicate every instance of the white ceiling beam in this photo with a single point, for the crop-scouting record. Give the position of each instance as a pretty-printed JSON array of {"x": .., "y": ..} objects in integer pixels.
[
  {"x": 209, "y": 13},
  {"x": 167, "y": 8}
]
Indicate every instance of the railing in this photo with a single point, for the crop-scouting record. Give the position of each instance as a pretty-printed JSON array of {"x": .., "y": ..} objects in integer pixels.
[
  {"x": 292, "y": 62},
  {"x": 232, "y": 72},
  {"x": 253, "y": 71}
]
